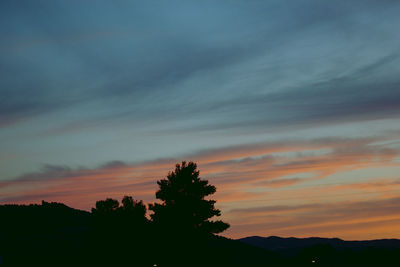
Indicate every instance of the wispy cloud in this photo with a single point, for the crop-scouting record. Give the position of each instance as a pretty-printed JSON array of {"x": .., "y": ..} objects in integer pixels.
[
  {"x": 267, "y": 96},
  {"x": 349, "y": 219},
  {"x": 248, "y": 177},
  {"x": 253, "y": 67}
]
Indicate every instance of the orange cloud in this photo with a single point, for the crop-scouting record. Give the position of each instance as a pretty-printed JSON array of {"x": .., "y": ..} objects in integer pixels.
[
  {"x": 249, "y": 176},
  {"x": 333, "y": 219}
]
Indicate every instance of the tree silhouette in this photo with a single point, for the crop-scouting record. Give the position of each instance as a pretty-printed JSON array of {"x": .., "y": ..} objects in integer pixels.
[
  {"x": 132, "y": 214},
  {"x": 130, "y": 208},
  {"x": 105, "y": 207},
  {"x": 130, "y": 217},
  {"x": 182, "y": 226},
  {"x": 120, "y": 230},
  {"x": 183, "y": 205}
]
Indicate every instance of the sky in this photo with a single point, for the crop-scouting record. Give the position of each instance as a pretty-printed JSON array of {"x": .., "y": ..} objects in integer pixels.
[{"x": 290, "y": 108}]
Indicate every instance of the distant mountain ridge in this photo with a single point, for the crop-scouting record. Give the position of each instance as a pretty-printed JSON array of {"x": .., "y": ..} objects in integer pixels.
[{"x": 291, "y": 245}]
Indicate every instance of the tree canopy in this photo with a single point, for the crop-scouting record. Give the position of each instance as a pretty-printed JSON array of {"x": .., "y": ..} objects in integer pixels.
[{"x": 183, "y": 204}]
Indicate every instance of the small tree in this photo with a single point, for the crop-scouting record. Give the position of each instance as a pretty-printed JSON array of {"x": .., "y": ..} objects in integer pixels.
[
  {"x": 183, "y": 206},
  {"x": 105, "y": 207},
  {"x": 120, "y": 230},
  {"x": 130, "y": 212}
]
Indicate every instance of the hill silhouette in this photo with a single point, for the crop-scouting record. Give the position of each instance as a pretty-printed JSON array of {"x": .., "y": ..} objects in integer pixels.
[
  {"x": 330, "y": 251},
  {"x": 48, "y": 233},
  {"x": 41, "y": 233},
  {"x": 291, "y": 245}
]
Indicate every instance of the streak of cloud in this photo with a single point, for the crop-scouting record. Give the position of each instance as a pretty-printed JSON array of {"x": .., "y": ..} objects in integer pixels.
[{"x": 247, "y": 177}]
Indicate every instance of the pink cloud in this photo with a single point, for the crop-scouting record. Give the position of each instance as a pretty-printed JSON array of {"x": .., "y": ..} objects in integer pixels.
[{"x": 246, "y": 177}]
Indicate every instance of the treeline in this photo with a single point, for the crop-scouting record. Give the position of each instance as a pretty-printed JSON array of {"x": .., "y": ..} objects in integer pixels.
[
  {"x": 178, "y": 232},
  {"x": 178, "y": 228}
]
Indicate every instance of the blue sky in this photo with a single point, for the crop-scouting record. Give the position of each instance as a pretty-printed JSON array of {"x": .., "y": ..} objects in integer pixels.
[{"x": 86, "y": 83}]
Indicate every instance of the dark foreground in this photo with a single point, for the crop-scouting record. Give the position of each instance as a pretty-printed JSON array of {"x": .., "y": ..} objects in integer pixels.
[{"x": 53, "y": 234}]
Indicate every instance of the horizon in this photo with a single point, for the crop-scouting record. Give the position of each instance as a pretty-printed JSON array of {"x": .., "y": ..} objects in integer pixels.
[
  {"x": 250, "y": 236},
  {"x": 292, "y": 110}
]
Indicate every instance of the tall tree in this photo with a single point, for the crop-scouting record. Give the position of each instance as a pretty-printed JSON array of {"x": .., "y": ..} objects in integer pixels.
[{"x": 184, "y": 206}]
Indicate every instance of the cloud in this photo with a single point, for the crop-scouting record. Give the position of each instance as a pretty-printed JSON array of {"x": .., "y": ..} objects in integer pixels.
[
  {"x": 242, "y": 174},
  {"x": 153, "y": 62},
  {"x": 281, "y": 188},
  {"x": 175, "y": 77},
  {"x": 330, "y": 219},
  {"x": 281, "y": 182}
]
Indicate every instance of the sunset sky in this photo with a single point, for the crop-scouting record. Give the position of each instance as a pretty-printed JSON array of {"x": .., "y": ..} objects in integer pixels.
[{"x": 290, "y": 108}]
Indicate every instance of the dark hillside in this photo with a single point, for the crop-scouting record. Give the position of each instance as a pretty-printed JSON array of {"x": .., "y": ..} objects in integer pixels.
[
  {"x": 290, "y": 246},
  {"x": 53, "y": 234},
  {"x": 31, "y": 231},
  {"x": 330, "y": 251}
]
